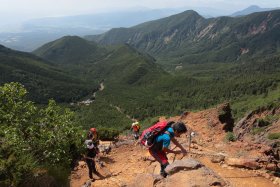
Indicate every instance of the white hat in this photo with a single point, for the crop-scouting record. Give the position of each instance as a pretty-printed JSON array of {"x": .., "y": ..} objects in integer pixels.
[{"x": 135, "y": 123}]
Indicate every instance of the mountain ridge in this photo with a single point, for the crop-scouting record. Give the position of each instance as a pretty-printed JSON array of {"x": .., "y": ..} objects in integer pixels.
[{"x": 220, "y": 39}]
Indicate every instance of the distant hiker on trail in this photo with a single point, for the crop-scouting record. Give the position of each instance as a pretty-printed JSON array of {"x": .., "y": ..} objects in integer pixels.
[
  {"x": 91, "y": 152},
  {"x": 135, "y": 127},
  {"x": 158, "y": 138},
  {"x": 92, "y": 135}
]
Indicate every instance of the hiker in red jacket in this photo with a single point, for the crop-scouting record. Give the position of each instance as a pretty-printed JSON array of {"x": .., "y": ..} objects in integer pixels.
[
  {"x": 162, "y": 142},
  {"x": 135, "y": 127}
]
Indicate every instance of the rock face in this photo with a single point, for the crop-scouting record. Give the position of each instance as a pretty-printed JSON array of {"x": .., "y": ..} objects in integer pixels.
[
  {"x": 256, "y": 128},
  {"x": 260, "y": 118},
  {"x": 242, "y": 127}
]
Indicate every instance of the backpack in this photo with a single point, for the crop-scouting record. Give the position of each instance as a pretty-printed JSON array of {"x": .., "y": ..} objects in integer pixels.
[{"x": 149, "y": 135}]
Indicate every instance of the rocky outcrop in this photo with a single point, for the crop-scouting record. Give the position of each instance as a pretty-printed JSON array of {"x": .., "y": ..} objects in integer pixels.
[
  {"x": 254, "y": 119},
  {"x": 225, "y": 116},
  {"x": 242, "y": 128}
]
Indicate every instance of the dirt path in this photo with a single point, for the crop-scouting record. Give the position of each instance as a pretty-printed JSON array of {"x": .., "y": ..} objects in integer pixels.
[{"x": 124, "y": 163}]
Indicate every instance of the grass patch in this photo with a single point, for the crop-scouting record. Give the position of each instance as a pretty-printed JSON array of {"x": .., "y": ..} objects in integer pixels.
[
  {"x": 274, "y": 136},
  {"x": 257, "y": 130}
]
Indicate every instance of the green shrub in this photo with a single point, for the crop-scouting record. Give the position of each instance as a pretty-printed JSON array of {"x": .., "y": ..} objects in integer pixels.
[
  {"x": 31, "y": 137},
  {"x": 274, "y": 136},
  {"x": 230, "y": 137},
  {"x": 108, "y": 134}
]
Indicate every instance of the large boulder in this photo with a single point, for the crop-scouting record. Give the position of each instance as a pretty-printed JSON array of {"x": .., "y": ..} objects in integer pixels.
[
  {"x": 186, "y": 164},
  {"x": 201, "y": 176}
]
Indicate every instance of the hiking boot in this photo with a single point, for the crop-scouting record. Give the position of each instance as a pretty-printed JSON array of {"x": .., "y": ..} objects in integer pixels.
[
  {"x": 163, "y": 173},
  {"x": 162, "y": 170}
]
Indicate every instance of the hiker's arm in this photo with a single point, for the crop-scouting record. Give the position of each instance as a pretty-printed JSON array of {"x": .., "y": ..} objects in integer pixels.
[{"x": 179, "y": 145}]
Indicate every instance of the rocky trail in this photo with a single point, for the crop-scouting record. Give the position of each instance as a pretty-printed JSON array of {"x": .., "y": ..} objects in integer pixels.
[
  {"x": 131, "y": 165},
  {"x": 211, "y": 160}
]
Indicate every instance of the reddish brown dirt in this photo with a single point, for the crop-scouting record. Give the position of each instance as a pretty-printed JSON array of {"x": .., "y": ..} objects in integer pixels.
[{"x": 126, "y": 161}]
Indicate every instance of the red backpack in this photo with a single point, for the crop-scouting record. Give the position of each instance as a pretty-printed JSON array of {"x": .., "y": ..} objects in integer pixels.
[{"x": 148, "y": 136}]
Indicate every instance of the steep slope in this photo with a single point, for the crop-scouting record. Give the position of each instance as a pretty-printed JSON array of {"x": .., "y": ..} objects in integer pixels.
[
  {"x": 189, "y": 38},
  {"x": 70, "y": 50},
  {"x": 43, "y": 80}
]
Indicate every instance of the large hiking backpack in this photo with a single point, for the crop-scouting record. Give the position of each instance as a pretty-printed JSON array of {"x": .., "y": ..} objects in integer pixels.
[{"x": 148, "y": 136}]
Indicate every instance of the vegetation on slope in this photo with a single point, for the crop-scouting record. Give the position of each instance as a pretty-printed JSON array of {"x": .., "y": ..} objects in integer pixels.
[
  {"x": 43, "y": 81},
  {"x": 32, "y": 139}
]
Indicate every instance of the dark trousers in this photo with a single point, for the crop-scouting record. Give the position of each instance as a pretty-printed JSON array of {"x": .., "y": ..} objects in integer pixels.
[{"x": 91, "y": 167}]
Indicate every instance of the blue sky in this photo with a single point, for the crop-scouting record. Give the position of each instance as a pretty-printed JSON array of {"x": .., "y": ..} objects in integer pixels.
[{"x": 18, "y": 10}]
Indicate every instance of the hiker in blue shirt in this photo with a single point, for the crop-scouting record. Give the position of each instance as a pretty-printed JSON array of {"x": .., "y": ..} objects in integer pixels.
[{"x": 162, "y": 142}]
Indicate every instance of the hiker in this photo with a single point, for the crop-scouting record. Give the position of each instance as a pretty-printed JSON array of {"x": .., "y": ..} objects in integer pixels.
[
  {"x": 91, "y": 152},
  {"x": 93, "y": 135},
  {"x": 162, "y": 141},
  {"x": 135, "y": 127}
]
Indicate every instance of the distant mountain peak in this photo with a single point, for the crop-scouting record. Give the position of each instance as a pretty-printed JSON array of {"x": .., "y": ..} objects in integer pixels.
[
  {"x": 251, "y": 9},
  {"x": 70, "y": 49},
  {"x": 253, "y": 6}
]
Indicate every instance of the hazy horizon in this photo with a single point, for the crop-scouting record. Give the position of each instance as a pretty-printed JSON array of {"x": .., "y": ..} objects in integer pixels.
[{"x": 14, "y": 12}]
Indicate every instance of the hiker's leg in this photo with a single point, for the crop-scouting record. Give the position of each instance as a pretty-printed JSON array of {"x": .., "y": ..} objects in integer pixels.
[
  {"x": 164, "y": 163},
  {"x": 137, "y": 135},
  {"x": 95, "y": 171},
  {"x": 93, "y": 167},
  {"x": 161, "y": 157},
  {"x": 89, "y": 164}
]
